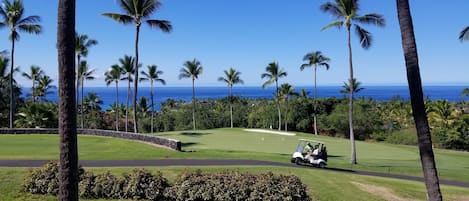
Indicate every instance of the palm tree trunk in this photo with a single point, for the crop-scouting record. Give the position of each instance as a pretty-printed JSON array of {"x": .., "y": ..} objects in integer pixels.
[
  {"x": 315, "y": 103},
  {"x": 68, "y": 170},
  {"x": 152, "y": 104},
  {"x": 231, "y": 106},
  {"x": 136, "y": 79},
  {"x": 418, "y": 105},
  {"x": 77, "y": 82},
  {"x": 193, "y": 104},
  {"x": 353, "y": 158},
  {"x": 127, "y": 107},
  {"x": 82, "y": 104},
  {"x": 33, "y": 93},
  {"x": 278, "y": 108},
  {"x": 286, "y": 114},
  {"x": 117, "y": 105},
  {"x": 12, "y": 102}
]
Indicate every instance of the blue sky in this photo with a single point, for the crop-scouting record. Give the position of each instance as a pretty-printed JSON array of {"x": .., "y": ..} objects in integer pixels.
[{"x": 247, "y": 35}]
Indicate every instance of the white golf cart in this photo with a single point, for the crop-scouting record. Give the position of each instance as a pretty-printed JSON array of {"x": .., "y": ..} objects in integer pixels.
[{"x": 310, "y": 152}]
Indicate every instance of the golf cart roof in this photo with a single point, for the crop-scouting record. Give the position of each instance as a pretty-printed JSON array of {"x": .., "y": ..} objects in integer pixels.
[{"x": 314, "y": 141}]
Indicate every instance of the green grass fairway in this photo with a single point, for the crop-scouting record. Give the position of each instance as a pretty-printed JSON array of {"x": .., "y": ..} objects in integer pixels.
[
  {"x": 322, "y": 185},
  {"x": 371, "y": 156},
  {"x": 239, "y": 144}
]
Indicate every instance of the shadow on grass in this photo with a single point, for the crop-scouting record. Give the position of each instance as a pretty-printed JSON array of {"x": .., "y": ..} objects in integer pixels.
[
  {"x": 194, "y": 134},
  {"x": 188, "y": 144}
]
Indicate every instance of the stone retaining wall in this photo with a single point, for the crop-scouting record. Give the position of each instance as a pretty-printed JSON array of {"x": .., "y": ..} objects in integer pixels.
[{"x": 170, "y": 143}]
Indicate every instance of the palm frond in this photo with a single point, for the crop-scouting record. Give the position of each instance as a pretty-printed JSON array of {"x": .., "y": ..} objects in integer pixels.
[
  {"x": 30, "y": 28},
  {"x": 124, "y": 19},
  {"x": 332, "y": 9},
  {"x": 33, "y": 19},
  {"x": 373, "y": 19},
  {"x": 337, "y": 24},
  {"x": 464, "y": 35},
  {"x": 365, "y": 37},
  {"x": 164, "y": 25}
]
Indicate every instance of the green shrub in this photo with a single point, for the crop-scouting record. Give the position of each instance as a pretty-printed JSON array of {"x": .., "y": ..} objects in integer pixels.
[
  {"x": 142, "y": 184},
  {"x": 406, "y": 137},
  {"x": 106, "y": 186},
  {"x": 86, "y": 185},
  {"x": 237, "y": 186},
  {"x": 43, "y": 180}
]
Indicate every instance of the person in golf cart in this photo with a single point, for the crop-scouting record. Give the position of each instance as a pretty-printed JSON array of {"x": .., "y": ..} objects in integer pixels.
[{"x": 310, "y": 155}]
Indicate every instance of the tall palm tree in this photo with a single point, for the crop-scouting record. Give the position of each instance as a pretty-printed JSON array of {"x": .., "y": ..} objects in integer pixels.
[
  {"x": 68, "y": 170},
  {"x": 231, "y": 78},
  {"x": 154, "y": 76},
  {"x": 84, "y": 73},
  {"x": 465, "y": 92},
  {"x": 286, "y": 90},
  {"x": 315, "y": 59},
  {"x": 138, "y": 11},
  {"x": 355, "y": 87},
  {"x": 127, "y": 68},
  {"x": 13, "y": 15},
  {"x": 43, "y": 86},
  {"x": 346, "y": 12},
  {"x": 34, "y": 75},
  {"x": 114, "y": 75},
  {"x": 192, "y": 69},
  {"x": 409, "y": 46},
  {"x": 82, "y": 44},
  {"x": 273, "y": 73}
]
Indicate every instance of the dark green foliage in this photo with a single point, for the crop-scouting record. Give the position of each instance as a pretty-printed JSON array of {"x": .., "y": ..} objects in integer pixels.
[
  {"x": 142, "y": 184},
  {"x": 86, "y": 185},
  {"x": 106, "y": 186},
  {"x": 229, "y": 185},
  {"x": 43, "y": 180}
]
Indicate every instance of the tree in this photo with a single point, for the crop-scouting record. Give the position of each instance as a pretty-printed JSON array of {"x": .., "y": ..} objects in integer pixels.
[
  {"x": 114, "y": 75},
  {"x": 273, "y": 73},
  {"x": 13, "y": 15},
  {"x": 43, "y": 87},
  {"x": 138, "y": 11},
  {"x": 346, "y": 12},
  {"x": 192, "y": 69},
  {"x": 82, "y": 44},
  {"x": 84, "y": 73},
  {"x": 127, "y": 68},
  {"x": 154, "y": 76},
  {"x": 92, "y": 104},
  {"x": 465, "y": 92},
  {"x": 34, "y": 75},
  {"x": 286, "y": 90},
  {"x": 409, "y": 46},
  {"x": 68, "y": 169},
  {"x": 231, "y": 78},
  {"x": 355, "y": 87},
  {"x": 315, "y": 60}
]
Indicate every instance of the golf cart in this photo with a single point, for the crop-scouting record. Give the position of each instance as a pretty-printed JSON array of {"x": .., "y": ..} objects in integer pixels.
[{"x": 310, "y": 152}]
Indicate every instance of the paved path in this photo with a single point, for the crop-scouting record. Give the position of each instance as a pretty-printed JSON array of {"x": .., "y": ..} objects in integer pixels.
[{"x": 213, "y": 162}]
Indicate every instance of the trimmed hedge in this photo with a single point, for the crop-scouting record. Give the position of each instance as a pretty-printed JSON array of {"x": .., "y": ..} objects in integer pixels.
[{"x": 141, "y": 184}]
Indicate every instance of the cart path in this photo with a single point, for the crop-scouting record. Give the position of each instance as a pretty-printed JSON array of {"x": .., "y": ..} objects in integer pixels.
[{"x": 215, "y": 162}]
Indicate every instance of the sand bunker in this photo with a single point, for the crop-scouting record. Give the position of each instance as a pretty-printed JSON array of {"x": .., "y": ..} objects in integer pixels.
[{"x": 270, "y": 131}]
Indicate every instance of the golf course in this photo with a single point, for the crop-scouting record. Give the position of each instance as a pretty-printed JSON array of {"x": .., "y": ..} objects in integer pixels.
[{"x": 241, "y": 144}]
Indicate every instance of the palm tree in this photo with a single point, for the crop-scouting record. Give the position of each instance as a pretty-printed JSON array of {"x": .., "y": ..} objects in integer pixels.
[
  {"x": 315, "y": 60},
  {"x": 43, "y": 86},
  {"x": 192, "y": 69},
  {"x": 346, "y": 12},
  {"x": 138, "y": 11},
  {"x": 34, "y": 75},
  {"x": 12, "y": 13},
  {"x": 356, "y": 87},
  {"x": 231, "y": 78},
  {"x": 84, "y": 73},
  {"x": 127, "y": 68},
  {"x": 154, "y": 76},
  {"x": 273, "y": 73},
  {"x": 114, "y": 75},
  {"x": 286, "y": 90},
  {"x": 68, "y": 170},
  {"x": 92, "y": 105},
  {"x": 82, "y": 44},
  {"x": 465, "y": 92},
  {"x": 409, "y": 46}
]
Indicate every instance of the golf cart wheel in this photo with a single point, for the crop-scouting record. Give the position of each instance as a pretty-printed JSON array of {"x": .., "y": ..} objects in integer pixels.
[
  {"x": 322, "y": 165},
  {"x": 298, "y": 161}
]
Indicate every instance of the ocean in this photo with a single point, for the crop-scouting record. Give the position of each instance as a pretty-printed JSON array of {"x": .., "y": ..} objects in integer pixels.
[{"x": 381, "y": 93}]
